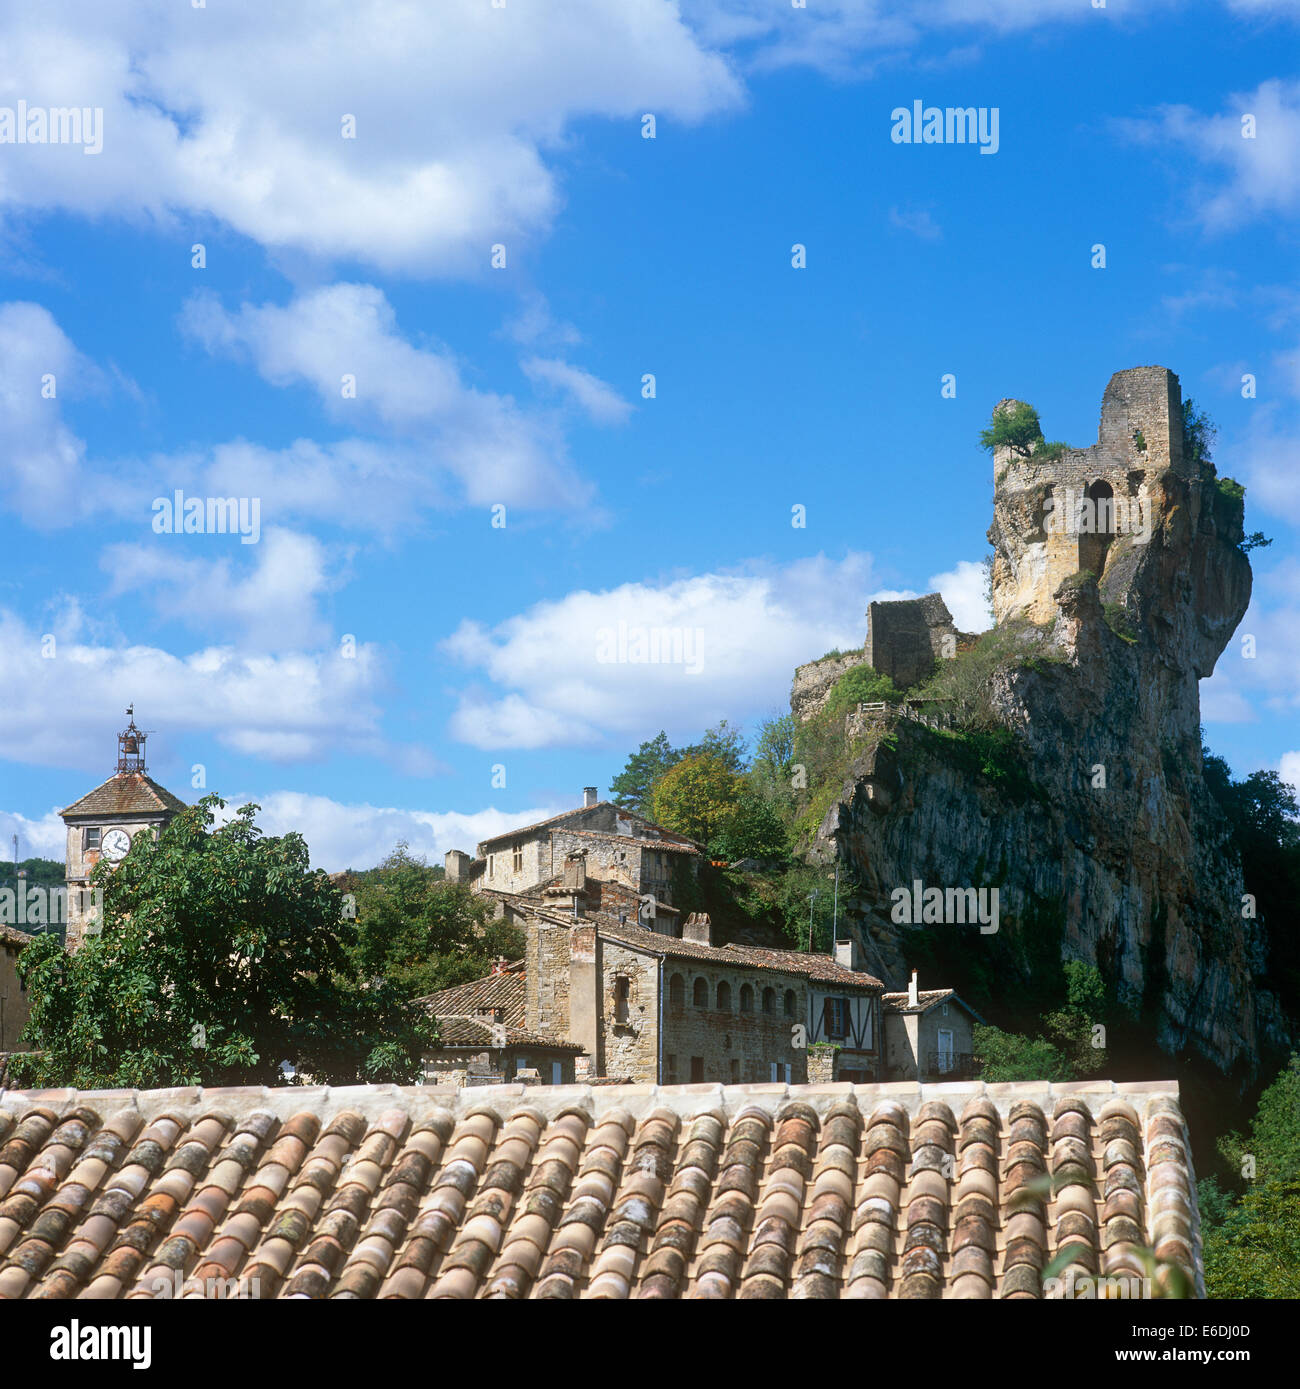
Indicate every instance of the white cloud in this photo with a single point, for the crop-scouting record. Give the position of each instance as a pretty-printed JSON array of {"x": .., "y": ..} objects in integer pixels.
[
  {"x": 269, "y": 595},
  {"x": 43, "y": 838},
  {"x": 962, "y": 588},
  {"x": 600, "y": 400},
  {"x": 568, "y": 671},
  {"x": 40, "y": 457},
  {"x": 342, "y": 835},
  {"x": 1289, "y": 768},
  {"x": 497, "y": 451},
  {"x": 918, "y": 221},
  {"x": 1256, "y": 175},
  {"x": 299, "y": 705},
  {"x": 235, "y": 111}
]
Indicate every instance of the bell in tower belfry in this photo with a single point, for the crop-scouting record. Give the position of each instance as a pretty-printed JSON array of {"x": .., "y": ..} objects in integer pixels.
[{"x": 130, "y": 745}]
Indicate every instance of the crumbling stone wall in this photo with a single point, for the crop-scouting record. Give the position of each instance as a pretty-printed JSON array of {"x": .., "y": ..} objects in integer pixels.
[
  {"x": 1139, "y": 439},
  {"x": 905, "y": 638}
]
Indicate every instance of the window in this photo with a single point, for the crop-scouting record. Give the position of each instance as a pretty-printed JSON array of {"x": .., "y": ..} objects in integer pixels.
[
  {"x": 521, "y": 1064},
  {"x": 622, "y": 988},
  {"x": 835, "y": 1017},
  {"x": 557, "y": 1072},
  {"x": 781, "y": 1071},
  {"x": 491, "y": 861},
  {"x": 724, "y": 997},
  {"x": 735, "y": 1071},
  {"x": 769, "y": 1000},
  {"x": 746, "y": 999},
  {"x": 700, "y": 994},
  {"x": 90, "y": 838},
  {"x": 944, "y": 1010},
  {"x": 789, "y": 1003},
  {"x": 517, "y": 856},
  {"x": 677, "y": 993},
  {"x": 697, "y": 1069},
  {"x": 670, "y": 1067}
]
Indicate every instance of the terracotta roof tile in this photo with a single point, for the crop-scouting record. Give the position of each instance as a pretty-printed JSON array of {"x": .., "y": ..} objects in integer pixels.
[
  {"x": 757, "y": 1192},
  {"x": 821, "y": 968},
  {"x": 504, "y": 991},
  {"x": 127, "y": 793}
]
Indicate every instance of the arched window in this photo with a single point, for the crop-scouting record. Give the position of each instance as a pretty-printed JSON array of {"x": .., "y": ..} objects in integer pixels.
[
  {"x": 724, "y": 997},
  {"x": 1096, "y": 526},
  {"x": 769, "y": 1000},
  {"x": 746, "y": 999},
  {"x": 789, "y": 1003},
  {"x": 700, "y": 994},
  {"x": 622, "y": 989},
  {"x": 677, "y": 992}
]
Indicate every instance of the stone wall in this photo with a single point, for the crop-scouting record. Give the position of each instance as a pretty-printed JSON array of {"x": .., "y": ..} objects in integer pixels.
[
  {"x": 1034, "y": 554},
  {"x": 905, "y": 638},
  {"x": 814, "y": 682},
  {"x": 14, "y": 1006},
  {"x": 732, "y": 1044},
  {"x": 629, "y": 1047}
]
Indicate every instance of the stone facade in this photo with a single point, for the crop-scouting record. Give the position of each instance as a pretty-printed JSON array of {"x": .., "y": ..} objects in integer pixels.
[
  {"x": 928, "y": 1036},
  {"x": 650, "y": 1008},
  {"x": 620, "y": 848},
  {"x": 14, "y": 1006}
]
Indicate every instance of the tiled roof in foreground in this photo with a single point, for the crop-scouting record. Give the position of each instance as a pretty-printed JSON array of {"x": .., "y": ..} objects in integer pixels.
[{"x": 692, "y": 1191}]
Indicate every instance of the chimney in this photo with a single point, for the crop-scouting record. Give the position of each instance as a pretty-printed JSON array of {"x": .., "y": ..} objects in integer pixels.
[
  {"x": 457, "y": 865},
  {"x": 588, "y": 796},
  {"x": 912, "y": 1000},
  {"x": 846, "y": 954},
  {"x": 699, "y": 928}
]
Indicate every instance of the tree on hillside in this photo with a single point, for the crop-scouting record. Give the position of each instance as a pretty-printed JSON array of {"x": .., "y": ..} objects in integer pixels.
[
  {"x": 1252, "y": 1237},
  {"x": 633, "y": 787},
  {"x": 220, "y": 955},
  {"x": 699, "y": 797},
  {"x": 421, "y": 933}
]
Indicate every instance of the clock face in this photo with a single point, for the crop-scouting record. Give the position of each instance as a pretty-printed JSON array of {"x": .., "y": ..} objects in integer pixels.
[{"x": 115, "y": 844}]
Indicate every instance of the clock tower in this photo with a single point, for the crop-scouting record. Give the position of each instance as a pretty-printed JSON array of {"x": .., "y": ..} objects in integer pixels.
[{"x": 104, "y": 823}]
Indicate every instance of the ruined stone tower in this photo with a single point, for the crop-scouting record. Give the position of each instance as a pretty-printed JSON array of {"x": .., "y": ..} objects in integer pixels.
[{"x": 1087, "y": 509}]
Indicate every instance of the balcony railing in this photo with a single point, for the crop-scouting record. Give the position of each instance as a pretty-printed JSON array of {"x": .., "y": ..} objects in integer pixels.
[{"x": 952, "y": 1065}]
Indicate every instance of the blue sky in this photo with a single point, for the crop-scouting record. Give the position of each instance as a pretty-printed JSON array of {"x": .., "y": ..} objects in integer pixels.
[{"x": 476, "y": 694}]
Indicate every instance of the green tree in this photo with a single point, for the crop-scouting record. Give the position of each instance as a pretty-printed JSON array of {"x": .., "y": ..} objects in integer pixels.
[
  {"x": 221, "y": 954},
  {"x": 1017, "y": 429},
  {"x": 724, "y": 742},
  {"x": 633, "y": 787},
  {"x": 1009, "y": 1056},
  {"x": 1255, "y": 1251},
  {"x": 421, "y": 933},
  {"x": 861, "y": 685},
  {"x": 1199, "y": 434},
  {"x": 1070, "y": 1029},
  {"x": 756, "y": 830},
  {"x": 698, "y": 797}
]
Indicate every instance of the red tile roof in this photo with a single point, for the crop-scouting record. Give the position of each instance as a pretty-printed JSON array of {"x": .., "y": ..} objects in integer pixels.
[
  {"x": 455, "y": 1030},
  {"x": 504, "y": 991},
  {"x": 127, "y": 793},
  {"x": 820, "y": 968},
  {"x": 753, "y": 1192}
]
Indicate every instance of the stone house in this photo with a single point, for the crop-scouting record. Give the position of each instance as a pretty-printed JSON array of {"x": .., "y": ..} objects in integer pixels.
[
  {"x": 103, "y": 824},
  {"x": 651, "y": 1007},
  {"x": 482, "y": 1040},
  {"x": 622, "y": 849},
  {"x": 14, "y": 1006},
  {"x": 928, "y": 1035}
]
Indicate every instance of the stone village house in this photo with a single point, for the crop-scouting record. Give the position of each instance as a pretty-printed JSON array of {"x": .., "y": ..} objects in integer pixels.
[{"x": 623, "y": 986}]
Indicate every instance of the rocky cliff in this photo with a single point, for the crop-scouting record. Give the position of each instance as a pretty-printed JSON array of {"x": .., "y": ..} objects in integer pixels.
[{"x": 1092, "y": 819}]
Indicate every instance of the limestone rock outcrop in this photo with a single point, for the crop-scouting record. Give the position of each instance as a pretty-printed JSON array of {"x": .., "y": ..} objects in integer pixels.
[{"x": 1111, "y": 834}]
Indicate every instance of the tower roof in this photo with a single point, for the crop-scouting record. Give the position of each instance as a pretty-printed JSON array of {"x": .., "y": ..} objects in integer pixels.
[{"x": 126, "y": 793}]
